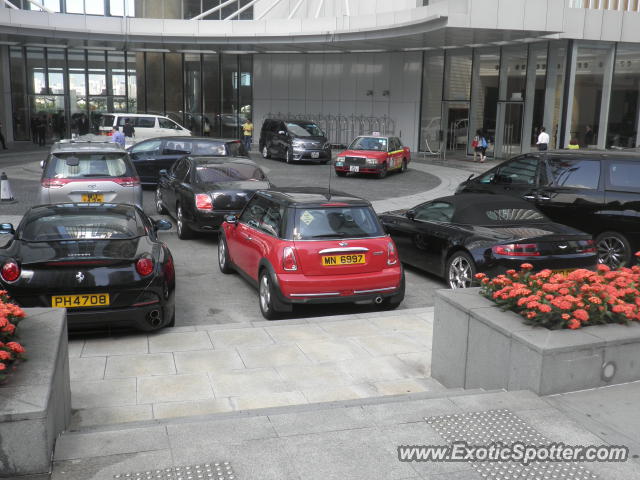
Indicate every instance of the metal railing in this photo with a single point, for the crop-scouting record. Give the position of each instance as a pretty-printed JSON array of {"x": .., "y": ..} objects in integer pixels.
[
  {"x": 620, "y": 5},
  {"x": 341, "y": 129}
]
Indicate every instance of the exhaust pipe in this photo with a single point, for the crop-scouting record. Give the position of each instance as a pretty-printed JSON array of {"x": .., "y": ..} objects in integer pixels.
[
  {"x": 378, "y": 300},
  {"x": 154, "y": 318}
]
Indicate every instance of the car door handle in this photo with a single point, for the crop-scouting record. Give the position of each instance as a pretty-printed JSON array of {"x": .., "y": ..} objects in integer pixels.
[
  {"x": 544, "y": 198},
  {"x": 529, "y": 197}
]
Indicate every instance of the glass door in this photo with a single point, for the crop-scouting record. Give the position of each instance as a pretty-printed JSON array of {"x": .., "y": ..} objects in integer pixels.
[
  {"x": 455, "y": 126},
  {"x": 509, "y": 131}
]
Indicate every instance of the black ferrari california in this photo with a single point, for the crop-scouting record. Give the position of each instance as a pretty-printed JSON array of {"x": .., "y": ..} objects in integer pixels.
[
  {"x": 458, "y": 236},
  {"x": 102, "y": 262},
  {"x": 199, "y": 192}
]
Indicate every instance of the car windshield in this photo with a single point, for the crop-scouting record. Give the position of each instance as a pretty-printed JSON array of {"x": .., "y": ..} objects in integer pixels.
[
  {"x": 88, "y": 165},
  {"x": 369, "y": 143},
  {"x": 305, "y": 130},
  {"x": 497, "y": 214},
  {"x": 81, "y": 226},
  {"x": 336, "y": 222},
  {"x": 228, "y": 172}
]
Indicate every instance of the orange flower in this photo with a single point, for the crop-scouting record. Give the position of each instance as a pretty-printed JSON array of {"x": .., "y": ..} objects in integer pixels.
[
  {"x": 573, "y": 324},
  {"x": 16, "y": 347},
  {"x": 581, "y": 315},
  {"x": 2, "y": 366},
  {"x": 4, "y": 355},
  {"x": 526, "y": 266},
  {"x": 544, "y": 308},
  {"x": 480, "y": 276}
]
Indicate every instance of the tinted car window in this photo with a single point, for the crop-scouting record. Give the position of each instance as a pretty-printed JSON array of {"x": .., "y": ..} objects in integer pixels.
[
  {"x": 624, "y": 174},
  {"x": 227, "y": 172},
  {"x": 334, "y": 222},
  {"x": 177, "y": 147},
  {"x": 81, "y": 226},
  {"x": 236, "y": 149},
  {"x": 166, "y": 123},
  {"x": 144, "y": 122},
  {"x": 181, "y": 170},
  {"x": 434, "y": 212},
  {"x": 150, "y": 146},
  {"x": 574, "y": 173},
  {"x": 209, "y": 148},
  {"x": 88, "y": 165},
  {"x": 305, "y": 129},
  {"x": 254, "y": 211},
  {"x": 520, "y": 171}
]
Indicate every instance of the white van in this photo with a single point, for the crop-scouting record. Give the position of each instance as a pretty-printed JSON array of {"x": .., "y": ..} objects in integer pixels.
[{"x": 145, "y": 125}]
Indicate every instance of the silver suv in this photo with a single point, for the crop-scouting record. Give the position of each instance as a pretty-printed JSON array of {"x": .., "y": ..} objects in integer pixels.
[{"x": 89, "y": 172}]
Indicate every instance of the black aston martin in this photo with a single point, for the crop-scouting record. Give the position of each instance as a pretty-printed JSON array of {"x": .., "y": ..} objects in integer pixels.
[
  {"x": 458, "y": 236},
  {"x": 199, "y": 192},
  {"x": 102, "y": 262}
]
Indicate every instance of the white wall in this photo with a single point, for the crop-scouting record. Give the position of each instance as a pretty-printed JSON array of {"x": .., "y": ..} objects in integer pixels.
[{"x": 337, "y": 84}]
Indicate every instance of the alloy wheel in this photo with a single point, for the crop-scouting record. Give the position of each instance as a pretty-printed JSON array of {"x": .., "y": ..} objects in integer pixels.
[
  {"x": 265, "y": 152},
  {"x": 265, "y": 293},
  {"x": 460, "y": 273},
  {"x": 611, "y": 252},
  {"x": 179, "y": 220},
  {"x": 159, "y": 206},
  {"x": 222, "y": 259}
]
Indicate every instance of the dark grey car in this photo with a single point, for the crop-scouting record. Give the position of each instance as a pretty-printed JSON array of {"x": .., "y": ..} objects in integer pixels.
[{"x": 294, "y": 140}]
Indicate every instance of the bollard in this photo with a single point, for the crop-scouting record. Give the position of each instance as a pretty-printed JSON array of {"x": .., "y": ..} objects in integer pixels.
[{"x": 6, "y": 195}]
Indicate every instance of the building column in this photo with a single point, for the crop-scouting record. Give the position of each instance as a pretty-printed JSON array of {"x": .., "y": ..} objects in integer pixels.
[
  {"x": 607, "y": 81},
  {"x": 550, "y": 92},
  {"x": 502, "y": 96},
  {"x": 5, "y": 95},
  {"x": 571, "y": 78},
  {"x": 529, "y": 100}
]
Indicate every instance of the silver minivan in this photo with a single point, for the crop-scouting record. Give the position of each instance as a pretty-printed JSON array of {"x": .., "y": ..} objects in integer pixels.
[{"x": 89, "y": 172}]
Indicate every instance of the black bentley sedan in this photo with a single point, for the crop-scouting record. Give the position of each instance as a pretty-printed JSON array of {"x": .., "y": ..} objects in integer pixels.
[
  {"x": 102, "y": 262},
  {"x": 458, "y": 236},
  {"x": 155, "y": 154},
  {"x": 199, "y": 192}
]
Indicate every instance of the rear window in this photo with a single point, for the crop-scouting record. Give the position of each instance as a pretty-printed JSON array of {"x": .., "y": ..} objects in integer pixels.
[
  {"x": 624, "y": 175},
  {"x": 228, "y": 172},
  {"x": 210, "y": 148},
  {"x": 88, "y": 165},
  {"x": 497, "y": 214},
  {"x": 107, "y": 121},
  {"x": 81, "y": 226},
  {"x": 177, "y": 147},
  {"x": 335, "y": 222}
]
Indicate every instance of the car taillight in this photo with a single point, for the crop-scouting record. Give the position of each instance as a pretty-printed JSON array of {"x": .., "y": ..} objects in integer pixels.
[
  {"x": 586, "y": 246},
  {"x": 517, "y": 250},
  {"x": 10, "y": 271},
  {"x": 392, "y": 254},
  {"x": 54, "y": 182},
  {"x": 144, "y": 266},
  {"x": 126, "y": 181},
  {"x": 289, "y": 260},
  {"x": 203, "y": 202}
]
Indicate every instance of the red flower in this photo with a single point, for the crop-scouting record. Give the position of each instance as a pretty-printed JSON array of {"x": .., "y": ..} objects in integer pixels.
[
  {"x": 526, "y": 266},
  {"x": 2, "y": 366},
  {"x": 581, "y": 315},
  {"x": 16, "y": 347},
  {"x": 4, "y": 355},
  {"x": 480, "y": 276},
  {"x": 573, "y": 324}
]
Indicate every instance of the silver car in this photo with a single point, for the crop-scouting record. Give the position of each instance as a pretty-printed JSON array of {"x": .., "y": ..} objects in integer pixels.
[{"x": 89, "y": 172}]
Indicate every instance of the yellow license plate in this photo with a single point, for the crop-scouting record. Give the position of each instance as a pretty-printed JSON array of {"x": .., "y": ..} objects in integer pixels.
[
  {"x": 80, "y": 301},
  {"x": 565, "y": 271},
  {"x": 333, "y": 260},
  {"x": 93, "y": 198}
]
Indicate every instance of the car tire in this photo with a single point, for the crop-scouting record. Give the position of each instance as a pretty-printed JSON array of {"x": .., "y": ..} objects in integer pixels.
[
  {"x": 341, "y": 174},
  {"x": 266, "y": 292},
  {"x": 391, "y": 303},
  {"x": 184, "y": 232},
  {"x": 405, "y": 165},
  {"x": 288, "y": 155},
  {"x": 172, "y": 322},
  {"x": 224, "y": 262},
  {"x": 613, "y": 249},
  {"x": 159, "y": 206},
  {"x": 460, "y": 271},
  {"x": 383, "y": 171}
]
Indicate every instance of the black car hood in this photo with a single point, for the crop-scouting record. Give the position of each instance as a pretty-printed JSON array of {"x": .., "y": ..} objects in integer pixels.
[{"x": 80, "y": 250}]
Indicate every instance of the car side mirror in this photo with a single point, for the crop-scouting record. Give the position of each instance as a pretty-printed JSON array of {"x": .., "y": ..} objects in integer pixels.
[
  {"x": 411, "y": 214},
  {"x": 162, "y": 224},
  {"x": 41, "y": 163},
  {"x": 163, "y": 173},
  {"x": 7, "y": 229},
  {"x": 231, "y": 219},
  {"x": 282, "y": 132}
]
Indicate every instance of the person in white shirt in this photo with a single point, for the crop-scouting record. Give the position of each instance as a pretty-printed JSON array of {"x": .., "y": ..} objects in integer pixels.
[{"x": 543, "y": 140}]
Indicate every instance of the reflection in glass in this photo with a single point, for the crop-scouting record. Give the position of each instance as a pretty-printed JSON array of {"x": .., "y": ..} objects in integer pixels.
[
  {"x": 431, "y": 102},
  {"x": 74, "y": 6},
  {"x": 211, "y": 91},
  {"x": 208, "y": 5},
  {"x": 457, "y": 75},
  {"x": 623, "y": 111},
  {"x": 245, "y": 93},
  {"x": 94, "y": 7},
  {"x": 539, "y": 57},
  {"x": 191, "y": 8},
  {"x": 173, "y": 78},
  {"x": 514, "y": 61},
  {"x": 135, "y": 77},
  {"x": 97, "y": 73},
  {"x": 484, "y": 99},
  {"x": 193, "y": 94},
  {"x": 36, "y": 71},
  {"x": 228, "y": 120},
  {"x": 155, "y": 86},
  {"x": 20, "y": 116},
  {"x": 556, "y": 67}
]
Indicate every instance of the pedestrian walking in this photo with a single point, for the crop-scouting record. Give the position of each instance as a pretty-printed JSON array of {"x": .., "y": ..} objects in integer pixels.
[
  {"x": 117, "y": 136},
  {"x": 247, "y": 129},
  {"x": 34, "y": 129},
  {"x": 543, "y": 140},
  {"x": 128, "y": 129},
  {"x": 4, "y": 145},
  {"x": 479, "y": 145}
]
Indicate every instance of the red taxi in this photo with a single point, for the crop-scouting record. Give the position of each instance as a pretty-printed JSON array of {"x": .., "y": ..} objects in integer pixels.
[
  {"x": 373, "y": 154},
  {"x": 301, "y": 246}
]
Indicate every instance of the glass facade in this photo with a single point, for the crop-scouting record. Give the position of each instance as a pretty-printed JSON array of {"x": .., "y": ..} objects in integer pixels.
[{"x": 70, "y": 90}]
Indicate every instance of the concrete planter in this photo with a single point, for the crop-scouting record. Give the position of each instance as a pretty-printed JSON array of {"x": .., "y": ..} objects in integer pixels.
[
  {"x": 35, "y": 402},
  {"x": 477, "y": 345}
]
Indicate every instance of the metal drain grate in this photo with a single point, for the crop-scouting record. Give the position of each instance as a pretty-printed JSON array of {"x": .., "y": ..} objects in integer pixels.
[
  {"x": 204, "y": 471},
  {"x": 503, "y": 426}
]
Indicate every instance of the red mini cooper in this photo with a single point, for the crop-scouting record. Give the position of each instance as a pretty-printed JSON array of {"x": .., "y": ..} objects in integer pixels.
[
  {"x": 305, "y": 245},
  {"x": 373, "y": 154}
]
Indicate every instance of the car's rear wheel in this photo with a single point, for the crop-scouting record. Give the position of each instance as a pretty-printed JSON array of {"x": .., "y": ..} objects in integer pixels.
[
  {"x": 614, "y": 249},
  {"x": 460, "y": 271},
  {"x": 172, "y": 322},
  {"x": 391, "y": 303},
  {"x": 265, "y": 152},
  {"x": 288, "y": 155},
  {"x": 383, "y": 171},
  {"x": 341, "y": 174},
  {"x": 404, "y": 165},
  {"x": 223, "y": 256},
  {"x": 266, "y": 293},
  {"x": 159, "y": 206},
  {"x": 184, "y": 232}
]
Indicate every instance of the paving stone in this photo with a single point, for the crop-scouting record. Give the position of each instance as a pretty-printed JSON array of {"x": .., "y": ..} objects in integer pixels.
[
  {"x": 101, "y": 444},
  {"x": 332, "y": 350},
  {"x": 403, "y": 324},
  {"x": 409, "y": 412},
  {"x": 75, "y": 347},
  {"x": 391, "y": 344},
  {"x": 350, "y": 328},
  {"x": 102, "y": 347},
  {"x": 325, "y": 420},
  {"x": 179, "y": 342},
  {"x": 89, "y": 417},
  {"x": 297, "y": 333},
  {"x": 515, "y": 401},
  {"x": 174, "y": 388},
  {"x": 187, "y": 409},
  {"x": 103, "y": 393},
  {"x": 105, "y": 468},
  {"x": 268, "y": 400},
  {"x": 346, "y": 392},
  {"x": 272, "y": 356},
  {"x": 324, "y": 375},
  {"x": 207, "y": 361},
  {"x": 418, "y": 364},
  {"x": 408, "y": 385},
  {"x": 86, "y": 368},
  {"x": 239, "y": 337},
  {"x": 375, "y": 369},
  {"x": 121, "y": 366},
  {"x": 207, "y": 436},
  {"x": 244, "y": 382}
]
